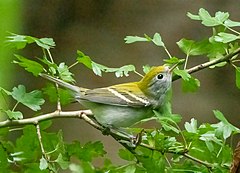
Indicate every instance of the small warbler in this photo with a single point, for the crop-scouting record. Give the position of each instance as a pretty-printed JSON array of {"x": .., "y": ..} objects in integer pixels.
[{"x": 124, "y": 104}]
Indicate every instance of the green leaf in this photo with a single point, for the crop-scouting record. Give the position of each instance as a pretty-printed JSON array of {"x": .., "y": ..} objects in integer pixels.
[
  {"x": 132, "y": 39},
  {"x": 126, "y": 155},
  {"x": 225, "y": 37},
  {"x": 33, "y": 100},
  {"x": 192, "y": 126},
  {"x": 84, "y": 59},
  {"x": 122, "y": 71},
  {"x": 43, "y": 164},
  {"x": 221, "y": 16},
  {"x": 63, "y": 163},
  {"x": 5, "y": 91},
  {"x": 207, "y": 19},
  {"x": 75, "y": 168},
  {"x": 183, "y": 73},
  {"x": 193, "y": 16},
  {"x": 216, "y": 49},
  {"x": 157, "y": 40},
  {"x": 146, "y": 68},
  {"x": 64, "y": 95},
  {"x": 98, "y": 68},
  {"x": 130, "y": 169},
  {"x": 174, "y": 60},
  {"x": 4, "y": 161},
  {"x": 190, "y": 47},
  {"x": 20, "y": 41},
  {"x": 16, "y": 115},
  {"x": 87, "y": 152},
  {"x": 238, "y": 77},
  {"x": 224, "y": 126},
  {"x": 190, "y": 85},
  {"x": 64, "y": 73},
  {"x": 29, "y": 65},
  {"x": 231, "y": 23},
  {"x": 45, "y": 43}
]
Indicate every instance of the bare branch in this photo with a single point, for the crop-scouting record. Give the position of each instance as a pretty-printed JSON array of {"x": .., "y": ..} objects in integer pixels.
[{"x": 44, "y": 117}]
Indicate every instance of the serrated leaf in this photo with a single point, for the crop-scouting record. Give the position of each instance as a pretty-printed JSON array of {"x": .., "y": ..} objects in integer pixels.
[
  {"x": 183, "y": 73},
  {"x": 29, "y": 65},
  {"x": 221, "y": 16},
  {"x": 193, "y": 16},
  {"x": 192, "y": 126},
  {"x": 84, "y": 59},
  {"x": 130, "y": 169},
  {"x": 157, "y": 40},
  {"x": 126, "y": 155},
  {"x": 237, "y": 71},
  {"x": 97, "y": 68},
  {"x": 206, "y": 18},
  {"x": 228, "y": 126},
  {"x": 19, "y": 41},
  {"x": 33, "y": 100},
  {"x": 16, "y": 115},
  {"x": 219, "y": 115},
  {"x": 87, "y": 152},
  {"x": 43, "y": 164},
  {"x": 64, "y": 95},
  {"x": 45, "y": 43},
  {"x": 190, "y": 47},
  {"x": 64, "y": 73},
  {"x": 225, "y": 37},
  {"x": 146, "y": 69},
  {"x": 190, "y": 85},
  {"x": 132, "y": 39},
  {"x": 63, "y": 163},
  {"x": 231, "y": 23},
  {"x": 173, "y": 60},
  {"x": 123, "y": 71}
]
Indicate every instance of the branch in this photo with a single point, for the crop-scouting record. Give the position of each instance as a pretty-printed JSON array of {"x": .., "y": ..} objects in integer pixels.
[
  {"x": 210, "y": 63},
  {"x": 44, "y": 117}
]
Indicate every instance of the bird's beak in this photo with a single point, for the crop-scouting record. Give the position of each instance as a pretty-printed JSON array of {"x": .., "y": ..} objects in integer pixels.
[{"x": 173, "y": 67}]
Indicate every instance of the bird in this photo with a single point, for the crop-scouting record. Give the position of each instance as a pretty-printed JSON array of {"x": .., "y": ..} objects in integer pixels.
[{"x": 123, "y": 105}]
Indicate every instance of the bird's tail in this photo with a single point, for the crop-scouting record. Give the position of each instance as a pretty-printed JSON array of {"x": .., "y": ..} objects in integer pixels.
[{"x": 62, "y": 83}]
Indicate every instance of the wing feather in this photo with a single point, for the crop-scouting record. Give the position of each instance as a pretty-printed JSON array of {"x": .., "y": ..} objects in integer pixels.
[{"x": 127, "y": 94}]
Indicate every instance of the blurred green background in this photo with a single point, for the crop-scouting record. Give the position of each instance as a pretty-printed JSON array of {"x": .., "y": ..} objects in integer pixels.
[{"x": 97, "y": 28}]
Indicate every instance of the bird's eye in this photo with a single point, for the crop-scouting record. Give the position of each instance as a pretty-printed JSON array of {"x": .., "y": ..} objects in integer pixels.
[{"x": 160, "y": 76}]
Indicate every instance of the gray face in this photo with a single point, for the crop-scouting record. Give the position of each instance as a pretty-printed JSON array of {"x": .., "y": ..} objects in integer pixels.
[{"x": 159, "y": 85}]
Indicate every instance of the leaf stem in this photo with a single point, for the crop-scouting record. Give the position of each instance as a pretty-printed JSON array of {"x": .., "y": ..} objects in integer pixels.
[
  {"x": 15, "y": 106},
  {"x": 234, "y": 31},
  {"x": 169, "y": 55},
  {"x": 50, "y": 55},
  {"x": 73, "y": 65},
  {"x": 186, "y": 61},
  {"x": 138, "y": 73}
]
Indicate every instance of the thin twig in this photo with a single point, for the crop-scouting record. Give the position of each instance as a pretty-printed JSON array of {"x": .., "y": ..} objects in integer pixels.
[
  {"x": 210, "y": 63},
  {"x": 40, "y": 141}
]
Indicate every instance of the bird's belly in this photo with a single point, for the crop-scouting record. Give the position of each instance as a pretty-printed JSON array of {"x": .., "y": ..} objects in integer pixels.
[{"x": 119, "y": 116}]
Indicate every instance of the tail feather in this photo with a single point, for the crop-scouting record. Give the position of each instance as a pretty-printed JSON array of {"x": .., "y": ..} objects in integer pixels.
[{"x": 61, "y": 83}]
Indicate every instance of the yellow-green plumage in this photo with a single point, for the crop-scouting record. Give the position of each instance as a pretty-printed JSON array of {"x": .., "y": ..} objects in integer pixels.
[{"x": 125, "y": 104}]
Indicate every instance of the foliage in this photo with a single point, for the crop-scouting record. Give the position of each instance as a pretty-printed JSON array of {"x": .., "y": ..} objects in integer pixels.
[{"x": 193, "y": 148}]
